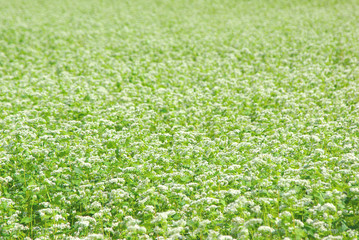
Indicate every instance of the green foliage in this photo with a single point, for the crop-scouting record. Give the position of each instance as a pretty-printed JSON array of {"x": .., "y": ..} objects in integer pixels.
[{"x": 179, "y": 119}]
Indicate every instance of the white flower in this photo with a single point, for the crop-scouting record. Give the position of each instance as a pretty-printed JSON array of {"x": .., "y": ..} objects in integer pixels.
[
  {"x": 328, "y": 207},
  {"x": 149, "y": 208},
  {"x": 7, "y": 201},
  {"x": 130, "y": 221},
  {"x": 265, "y": 229},
  {"x": 330, "y": 237},
  {"x": 94, "y": 237},
  {"x": 58, "y": 217},
  {"x": 253, "y": 222},
  {"x": 136, "y": 228},
  {"x": 163, "y": 216},
  {"x": 225, "y": 237}
]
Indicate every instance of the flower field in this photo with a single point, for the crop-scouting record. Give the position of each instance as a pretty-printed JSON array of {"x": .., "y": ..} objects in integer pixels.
[{"x": 161, "y": 119}]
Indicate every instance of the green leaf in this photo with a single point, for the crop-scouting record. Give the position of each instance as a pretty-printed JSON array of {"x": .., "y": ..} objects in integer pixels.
[
  {"x": 78, "y": 171},
  {"x": 26, "y": 220},
  {"x": 299, "y": 233}
]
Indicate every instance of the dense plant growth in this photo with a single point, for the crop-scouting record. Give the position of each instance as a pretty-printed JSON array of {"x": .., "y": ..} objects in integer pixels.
[{"x": 179, "y": 119}]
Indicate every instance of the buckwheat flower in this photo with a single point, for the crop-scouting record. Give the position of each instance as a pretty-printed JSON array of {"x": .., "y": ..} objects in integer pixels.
[
  {"x": 45, "y": 204},
  {"x": 86, "y": 165},
  {"x": 149, "y": 208},
  {"x": 58, "y": 217},
  {"x": 176, "y": 230},
  {"x": 163, "y": 187},
  {"x": 175, "y": 236},
  {"x": 265, "y": 229},
  {"x": 238, "y": 220},
  {"x": 253, "y": 222},
  {"x": 211, "y": 208},
  {"x": 329, "y": 207},
  {"x": 136, "y": 228},
  {"x": 115, "y": 224},
  {"x": 321, "y": 226},
  {"x": 95, "y": 205},
  {"x": 9, "y": 202},
  {"x": 94, "y": 236},
  {"x": 19, "y": 227},
  {"x": 225, "y": 237},
  {"x": 234, "y": 166},
  {"x": 83, "y": 223},
  {"x": 144, "y": 200},
  {"x": 98, "y": 214},
  {"x": 289, "y": 193},
  {"x": 265, "y": 200},
  {"x": 352, "y": 233},
  {"x": 49, "y": 182},
  {"x": 256, "y": 209},
  {"x": 62, "y": 226},
  {"x": 246, "y": 213},
  {"x": 328, "y": 195},
  {"x": 47, "y": 237},
  {"x": 298, "y": 223},
  {"x": 46, "y": 211},
  {"x": 179, "y": 223},
  {"x": 6, "y": 179},
  {"x": 231, "y": 208},
  {"x": 244, "y": 232},
  {"x": 85, "y": 220},
  {"x": 162, "y": 216},
  {"x": 285, "y": 214},
  {"x": 108, "y": 229},
  {"x": 130, "y": 221},
  {"x": 204, "y": 223},
  {"x": 330, "y": 237},
  {"x": 117, "y": 180},
  {"x": 158, "y": 230},
  {"x": 119, "y": 193}
]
